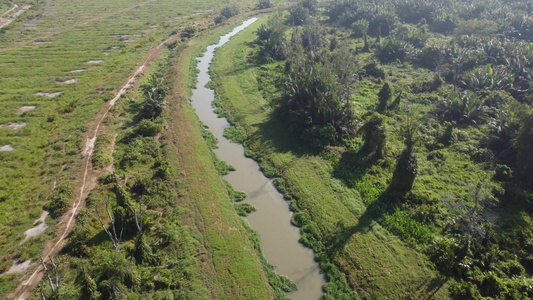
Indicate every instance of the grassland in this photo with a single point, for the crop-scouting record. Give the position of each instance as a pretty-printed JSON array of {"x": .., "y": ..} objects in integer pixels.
[
  {"x": 335, "y": 219},
  {"x": 98, "y": 44}
]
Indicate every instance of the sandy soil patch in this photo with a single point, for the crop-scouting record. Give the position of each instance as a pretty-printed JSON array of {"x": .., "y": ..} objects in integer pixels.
[
  {"x": 105, "y": 53},
  {"x": 19, "y": 267},
  {"x": 27, "y": 108},
  {"x": 14, "y": 126},
  {"x": 77, "y": 71},
  {"x": 7, "y": 148},
  {"x": 49, "y": 95},
  {"x": 147, "y": 30},
  {"x": 69, "y": 81},
  {"x": 94, "y": 62},
  {"x": 41, "y": 42},
  {"x": 115, "y": 47},
  {"x": 128, "y": 41},
  {"x": 11, "y": 15},
  {"x": 39, "y": 227}
]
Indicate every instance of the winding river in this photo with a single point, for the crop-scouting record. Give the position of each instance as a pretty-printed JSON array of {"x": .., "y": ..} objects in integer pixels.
[{"x": 279, "y": 239}]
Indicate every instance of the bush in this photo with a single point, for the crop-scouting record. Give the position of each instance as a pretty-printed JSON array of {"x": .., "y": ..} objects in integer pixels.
[
  {"x": 148, "y": 128},
  {"x": 374, "y": 70},
  {"x": 461, "y": 290},
  {"x": 226, "y": 13},
  {"x": 298, "y": 15},
  {"x": 61, "y": 199},
  {"x": 408, "y": 229},
  {"x": 265, "y": 4},
  {"x": 360, "y": 28}
]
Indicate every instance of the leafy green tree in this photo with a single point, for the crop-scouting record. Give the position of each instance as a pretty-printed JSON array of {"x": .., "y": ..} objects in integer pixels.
[
  {"x": 154, "y": 92},
  {"x": 271, "y": 38},
  {"x": 263, "y": 4},
  {"x": 317, "y": 94},
  {"x": 226, "y": 13}
]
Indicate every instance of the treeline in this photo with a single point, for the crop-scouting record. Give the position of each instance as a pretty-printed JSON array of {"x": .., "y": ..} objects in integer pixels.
[{"x": 473, "y": 109}]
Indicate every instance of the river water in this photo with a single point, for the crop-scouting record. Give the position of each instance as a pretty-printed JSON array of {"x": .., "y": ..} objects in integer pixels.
[{"x": 279, "y": 239}]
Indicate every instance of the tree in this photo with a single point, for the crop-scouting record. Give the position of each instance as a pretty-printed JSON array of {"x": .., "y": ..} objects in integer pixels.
[
  {"x": 154, "y": 92},
  {"x": 406, "y": 170},
  {"x": 317, "y": 94},
  {"x": 55, "y": 284},
  {"x": 384, "y": 97},
  {"x": 524, "y": 149},
  {"x": 263, "y": 4},
  {"x": 374, "y": 135},
  {"x": 226, "y": 13}
]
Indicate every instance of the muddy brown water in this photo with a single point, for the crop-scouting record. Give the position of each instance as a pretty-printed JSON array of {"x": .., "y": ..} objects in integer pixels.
[{"x": 271, "y": 220}]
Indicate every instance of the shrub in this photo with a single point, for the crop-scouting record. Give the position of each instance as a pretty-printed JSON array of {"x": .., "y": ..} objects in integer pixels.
[
  {"x": 265, "y": 4},
  {"x": 226, "y": 13},
  {"x": 148, "y": 128},
  {"x": 61, "y": 199},
  {"x": 298, "y": 15},
  {"x": 374, "y": 70},
  {"x": 360, "y": 28},
  {"x": 408, "y": 229}
]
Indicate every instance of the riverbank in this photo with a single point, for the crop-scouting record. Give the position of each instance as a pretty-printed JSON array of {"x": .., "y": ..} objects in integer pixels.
[{"x": 368, "y": 260}]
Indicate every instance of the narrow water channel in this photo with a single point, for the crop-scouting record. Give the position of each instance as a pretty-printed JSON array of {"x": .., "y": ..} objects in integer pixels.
[{"x": 279, "y": 239}]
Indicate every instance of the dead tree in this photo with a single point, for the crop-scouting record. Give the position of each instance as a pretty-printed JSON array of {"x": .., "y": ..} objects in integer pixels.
[
  {"x": 472, "y": 218},
  {"x": 54, "y": 286},
  {"x": 138, "y": 239},
  {"x": 115, "y": 239}
]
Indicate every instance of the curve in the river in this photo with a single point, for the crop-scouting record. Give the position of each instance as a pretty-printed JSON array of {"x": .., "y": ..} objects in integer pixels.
[{"x": 279, "y": 239}]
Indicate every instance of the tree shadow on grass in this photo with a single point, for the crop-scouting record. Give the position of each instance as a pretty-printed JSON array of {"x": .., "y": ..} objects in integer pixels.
[
  {"x": 374, "y": 213},
  {"x": 353, "y": 166},
  {"x": 274, "y": 136},
  {"x": 429, "y": 288}
]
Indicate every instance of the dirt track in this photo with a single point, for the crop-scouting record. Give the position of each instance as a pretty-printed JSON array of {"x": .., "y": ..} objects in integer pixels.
[
  {"x": 11, "y": 15},
  {"x": 85, "y": 184}
]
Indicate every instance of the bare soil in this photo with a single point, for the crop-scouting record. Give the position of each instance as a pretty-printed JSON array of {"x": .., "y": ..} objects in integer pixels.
[
  {"x": 7, "y": 148},
  {"x": 49, "y": 95}
]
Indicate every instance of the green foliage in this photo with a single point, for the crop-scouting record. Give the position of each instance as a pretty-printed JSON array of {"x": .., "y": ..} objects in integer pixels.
[
  {"x": 464, "y": 290},
  {"x": 235, "y": 133},
  {"x": 523, "y": 146},
  {"x": 61, "y": 198},
  {"x": 226, "y": 13},
  {"x": 360, "y": 28},
  {"x": 374, "y": 69},
  {"x": 271, "y": 37},
  {"x": 243, "y": 209},
  {"x": 374, "y": 134},
  {"x": 299, "y": 15},
  {"x": 481, "y": 27},
  {"x": 154, "y": 92},
  {"x": 407, "y": 228},
  {"x": 147, "y": 128},
  {"x": 317, "y": 96},
  {"x": 263, "y": 4}
]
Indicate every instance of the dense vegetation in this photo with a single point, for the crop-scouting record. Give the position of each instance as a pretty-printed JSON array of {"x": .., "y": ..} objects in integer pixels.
[{"x": 420, "y": 107}]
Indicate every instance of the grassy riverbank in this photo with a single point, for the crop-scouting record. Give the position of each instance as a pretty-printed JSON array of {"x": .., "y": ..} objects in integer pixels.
[{"x": 376, "y": 263}]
